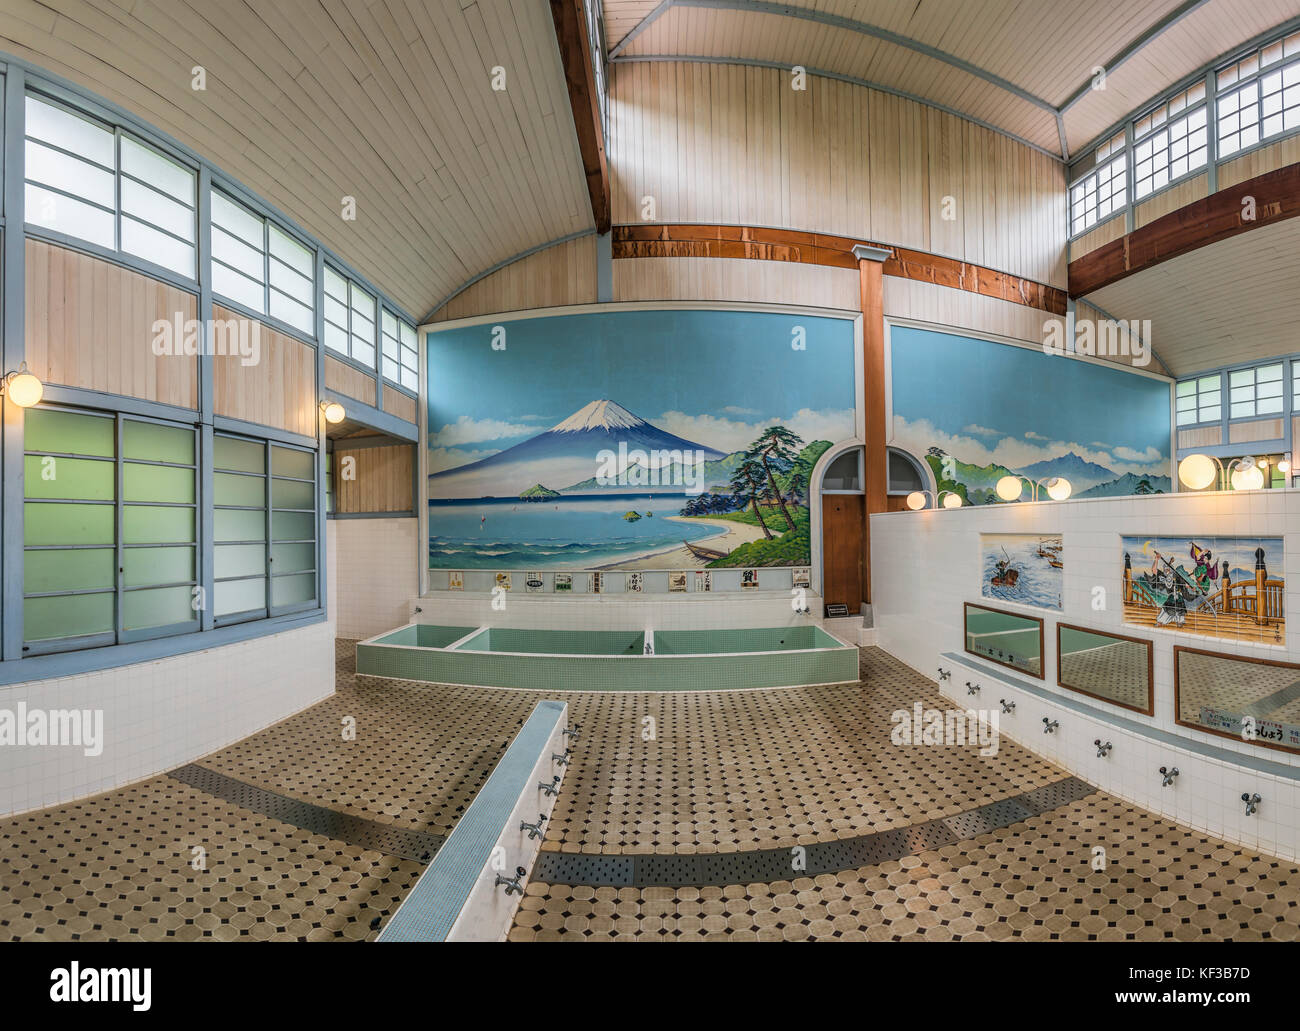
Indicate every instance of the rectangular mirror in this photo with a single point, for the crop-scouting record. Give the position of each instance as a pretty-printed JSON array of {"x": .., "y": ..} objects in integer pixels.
[
  {"x": 1254, "y": 700},
  {"x": 1007, "y": 638},
  {"x": 1112, "y": 667}
]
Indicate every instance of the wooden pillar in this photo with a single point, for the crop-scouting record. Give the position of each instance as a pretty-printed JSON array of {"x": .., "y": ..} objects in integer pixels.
[{"x": 875, "y": 461}]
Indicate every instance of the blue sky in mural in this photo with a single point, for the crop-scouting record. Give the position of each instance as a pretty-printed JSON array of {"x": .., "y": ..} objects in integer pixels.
[
  {"x": 996, "y": 407},
  {"x": 710, "y": 377}
]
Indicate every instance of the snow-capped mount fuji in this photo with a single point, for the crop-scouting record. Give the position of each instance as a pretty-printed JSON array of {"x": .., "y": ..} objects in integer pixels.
[{"x": 565, "y": 454}]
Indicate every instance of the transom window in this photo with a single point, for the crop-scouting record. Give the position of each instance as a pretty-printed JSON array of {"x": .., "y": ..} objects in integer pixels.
[
  {"x": 91, "y": 182},
  {"x": 258, "y": 265},
  {"x": 1256, "y": 391},
  {"x": 1199, "y": 400},
  {"x": 110, "y": 529},
  {"x": 401, "y": 362},
  {"x": 1170, "y": 142},
  {"x": 349, "y": 318},
  {"x": 1103, "y": 191}
]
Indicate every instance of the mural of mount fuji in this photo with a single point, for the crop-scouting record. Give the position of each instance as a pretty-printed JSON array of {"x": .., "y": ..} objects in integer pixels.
[
  {"x": 632, "y": 439},
  {"x": 996, "y": 409}
]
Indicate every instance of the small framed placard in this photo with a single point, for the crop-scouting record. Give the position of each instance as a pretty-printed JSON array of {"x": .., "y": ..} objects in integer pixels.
[{"x": 836, "y": 608}]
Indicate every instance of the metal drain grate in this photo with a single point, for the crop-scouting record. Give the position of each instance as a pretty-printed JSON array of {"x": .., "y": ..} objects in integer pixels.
[
  {"x": 763, "y": 866},
  {"x": 419, "y": 846}
]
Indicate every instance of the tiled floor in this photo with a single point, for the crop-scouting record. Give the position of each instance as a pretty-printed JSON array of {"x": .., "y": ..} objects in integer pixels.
[{"x": 720, "y": 772}]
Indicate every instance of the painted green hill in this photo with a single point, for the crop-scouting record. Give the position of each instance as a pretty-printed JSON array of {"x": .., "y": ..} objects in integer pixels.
[{"x": 538, "y": 493}]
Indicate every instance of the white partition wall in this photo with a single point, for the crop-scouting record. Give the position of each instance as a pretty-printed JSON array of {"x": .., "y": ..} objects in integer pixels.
[{"x": 926, "y": 565}]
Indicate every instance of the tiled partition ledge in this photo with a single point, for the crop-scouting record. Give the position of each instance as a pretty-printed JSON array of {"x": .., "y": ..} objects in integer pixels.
[
  {"x": 925, "y": 565},
  {"x": 458, "y": 898},
  {"x": 161, "y": 714}
]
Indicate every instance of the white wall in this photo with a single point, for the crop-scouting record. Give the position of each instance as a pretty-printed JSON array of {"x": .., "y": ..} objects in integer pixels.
[
  {"x": 162, "y": 714},
  {"x": 374, "y": 573},
  {"x": 924, "y": 565}
]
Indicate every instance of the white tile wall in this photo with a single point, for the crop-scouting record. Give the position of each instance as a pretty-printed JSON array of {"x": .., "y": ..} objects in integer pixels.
[
  {"x": 924, "y": 565},
  {"x": 374, "y": 573},
  {"x": 162, "y": 714}
]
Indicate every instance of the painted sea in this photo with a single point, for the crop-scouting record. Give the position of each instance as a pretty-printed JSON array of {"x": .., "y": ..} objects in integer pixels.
[
  {"x": 572, "y": 532},
  {"x": 1039, "y": 583}
]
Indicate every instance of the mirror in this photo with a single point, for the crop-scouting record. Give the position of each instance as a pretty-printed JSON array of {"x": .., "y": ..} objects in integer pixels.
[
  {"x": 1007, "y": 638},
  {"x": 1254, "y": 700},
  {"x": 1112, "y": 667}
]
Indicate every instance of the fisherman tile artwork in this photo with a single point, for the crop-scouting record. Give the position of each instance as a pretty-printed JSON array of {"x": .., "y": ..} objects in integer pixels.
[{"x": 1230, "y": 588}]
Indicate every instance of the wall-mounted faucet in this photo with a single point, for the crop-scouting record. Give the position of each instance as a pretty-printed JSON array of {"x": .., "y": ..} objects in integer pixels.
[
  {"x": 944, "y": 674},
  {"x": 1168, "y": 776},
  {"x": 513, "y": 887},
  {"x": 1252, "y": 802},
  {"x": 1049, "y": 726},
  {"x": 534, "y": 829},
  {"x": 562, "y": 760},
  {"x": 551, "y": 788},
  {"x": 972, "y": 688},
  {"x": 1007, "y": 706},
  {"x": 1102, "y": 750},
  {"x": 572, "y": 732},
  {"x": 418, "y": 610}
]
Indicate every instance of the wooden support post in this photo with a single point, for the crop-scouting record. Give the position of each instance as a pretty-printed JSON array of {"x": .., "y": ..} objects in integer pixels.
[{"x": 875, "y": 461}]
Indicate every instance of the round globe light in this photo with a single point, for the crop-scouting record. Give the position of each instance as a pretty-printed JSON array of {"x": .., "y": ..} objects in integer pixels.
[
  {"x": 1059, "y": 489},
  {"x": 916, "y": 501},
  {"x": 24, "y": 389},
  {"x": 1247, "y": 479},
  {"x": 1009, "y": 488},
  {"x": 1196, "y": 471},
  {"x": 1284, "y": 466},
  {"x": 334, "y": 412},
  {"x": 952, "y": 500}
]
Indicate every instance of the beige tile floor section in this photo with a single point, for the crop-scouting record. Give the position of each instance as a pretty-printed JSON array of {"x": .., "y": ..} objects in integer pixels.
[
  {"x": 1032, "y": 881},
  {"x": 727, "y": 771}
]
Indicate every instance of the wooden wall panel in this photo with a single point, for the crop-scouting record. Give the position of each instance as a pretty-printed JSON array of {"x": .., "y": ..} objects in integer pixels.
[
  {"x": 559, "y": 275},
  {"x": 279, "y": 391},
  {"x": 90, "y": 325},
  {"x": 343, "y": 378},
  {"x": 1170, "y": 200},
  {"x": 960, "y": 309},
  {"x": 1257, "y": 162},
  {"x": 1202, "y": 436},
  {"x": 1249, "y": 432},
  {"x": 1103, "y": 234},
  {"x": 399, "y": 404},
  {"x": 383, "y": 479},
  {"x": 731, "y": 144},
  {"x": 735, "y": 279}
]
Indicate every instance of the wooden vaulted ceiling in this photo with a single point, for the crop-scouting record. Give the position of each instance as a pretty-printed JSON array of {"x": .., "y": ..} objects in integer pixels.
[
  {"x": 1013, "y": 64},
  {"x": 387, "y": 101}
]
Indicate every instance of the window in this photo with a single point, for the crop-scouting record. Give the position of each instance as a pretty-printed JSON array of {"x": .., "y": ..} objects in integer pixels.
[
  {"x": 905, "y": 473},
  {"x": 1199, "y": 400},
  {"x": 111, "y": 189},
  {"x": 264, "y": 556},
  {"x": 349, "y": 318},
  {"x": 1259, "y": 95},
  {"x": 1103, "y": 191},
  {"x": 259, "y": 266},
  {"x": 109, "y": 536},
  {"x": 1295, "y": 385},
  {"x": 401, "y": 363},
  {"x": 1256, "y": 391},
  {"x": 1169, "y": 142}
]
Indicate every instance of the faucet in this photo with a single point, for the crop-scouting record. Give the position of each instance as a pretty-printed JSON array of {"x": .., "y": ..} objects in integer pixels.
[
  {"x": 972, "y": 688},
  {"x": 1007, "y": 706},
  {"x": 574, "y": 732},
  {"x": 549, "y": 789},
  {"x": 418, "y": 609},
  {"x": 534, "y": 829},
  {"x": 563, "y": 760},
  {"x": 1252, "y": 802},
  {"x": 944, "y": 674},
  {"x": 1168, "y": 776},
  {"x": 1049, "y": 726},
  {"x": 513, "y": 887},
  {"x": 1102, "y": 749}
]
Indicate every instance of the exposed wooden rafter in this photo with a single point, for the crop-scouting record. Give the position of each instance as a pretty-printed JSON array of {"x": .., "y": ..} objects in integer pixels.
[{"x": 579, "y": 75}]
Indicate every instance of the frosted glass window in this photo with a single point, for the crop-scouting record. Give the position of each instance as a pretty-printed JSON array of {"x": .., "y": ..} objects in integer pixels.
[
  {"x": 293, "y": 533},
  {"x": 1254, "y": 392},
  {"x": 260, "y": 266},
  {"x": 239, "y": 556},
  {"x": 398, "y": 359},
  {"x": 292, "y": 279}
]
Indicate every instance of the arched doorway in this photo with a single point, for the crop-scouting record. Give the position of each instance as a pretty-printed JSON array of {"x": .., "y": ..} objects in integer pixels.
[{"x": 843, "y": 504}]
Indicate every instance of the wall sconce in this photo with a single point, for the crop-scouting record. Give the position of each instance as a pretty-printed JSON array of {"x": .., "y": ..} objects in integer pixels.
[
  {"x": 1009, "y": 488},
  {"x": 947, "y": 498},
  {"x": 1284, "y": 465},
  {"x": 1199, "y": 471},
  {"x": 23, "y": 388},
  {"x": 333, "y": 411}
]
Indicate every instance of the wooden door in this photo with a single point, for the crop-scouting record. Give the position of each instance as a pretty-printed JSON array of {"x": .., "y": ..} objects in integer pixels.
[{"x": 842, "y": 523}]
